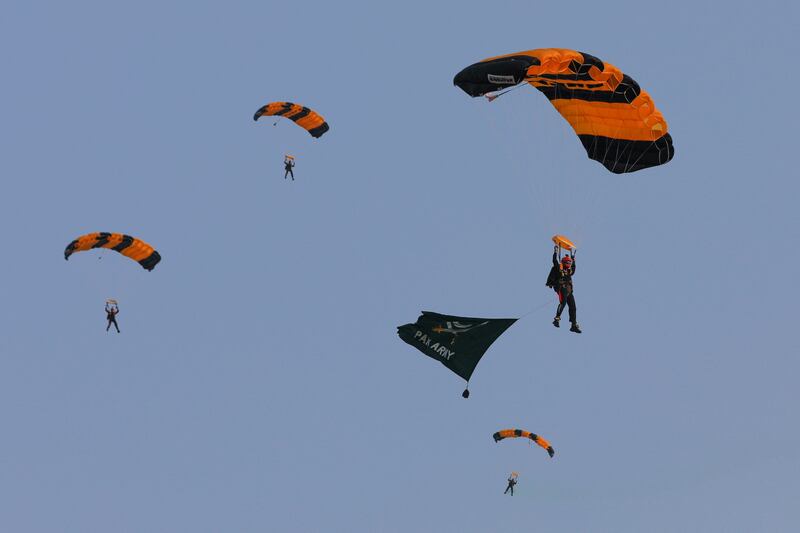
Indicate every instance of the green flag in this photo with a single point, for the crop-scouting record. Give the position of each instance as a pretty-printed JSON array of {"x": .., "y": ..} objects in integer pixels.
[{"x": 455, "y": 341}]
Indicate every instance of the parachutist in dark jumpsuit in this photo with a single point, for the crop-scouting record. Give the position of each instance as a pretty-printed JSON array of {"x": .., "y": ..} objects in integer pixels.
[
  {"x": 560, "y": 280},
  {"x": 511, "y": 482},
  {"x": 288, "y": 164},
  {"x": 111, "y": 315}
]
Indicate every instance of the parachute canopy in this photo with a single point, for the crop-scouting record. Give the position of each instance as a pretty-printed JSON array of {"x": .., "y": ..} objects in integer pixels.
[
  {"x": 615, "y": 119},
  {"x": 309, "y": 120},
  {"x": 516, "y": 433},
  {"x": 455, "y": 341},
  {"x": 128, "y": 246}
]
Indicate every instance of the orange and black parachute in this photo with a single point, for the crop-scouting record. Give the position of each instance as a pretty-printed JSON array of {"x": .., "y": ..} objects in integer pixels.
[
  {"x": 304, "y": 117},
  {"x": 516, "y": 433},
  {"x": 615, "y": 119},
  {"x": 128, "y": 246}
]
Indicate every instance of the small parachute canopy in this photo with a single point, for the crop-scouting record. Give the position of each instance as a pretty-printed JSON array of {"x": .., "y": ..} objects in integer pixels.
[
  {"x": 309, "y": 120},
  {"x": 517, "y": 433},
  {"x": 615, "y": 119},
  {"x": 128, "y": 246},
  {"x": 455, "y": 341}
]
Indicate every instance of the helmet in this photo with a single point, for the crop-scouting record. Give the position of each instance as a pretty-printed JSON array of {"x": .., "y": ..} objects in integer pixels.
[{"x": 566, "y": 261}]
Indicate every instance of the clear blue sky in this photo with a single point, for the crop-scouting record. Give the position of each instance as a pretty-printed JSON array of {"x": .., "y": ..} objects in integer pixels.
[{"x": 258, "y": 383}]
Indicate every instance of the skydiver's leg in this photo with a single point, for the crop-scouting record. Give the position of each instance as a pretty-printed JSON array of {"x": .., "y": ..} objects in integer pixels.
[
  {"x": 557, "y": 319},
  {"x": 109, "y": 325},
  {"x": 286, "y": 174},
  {"x": 562, "y": 301},
  {"x": 115, "y": 325},
  {"x": 573, "y": 314},
  {"x": 292, "y": 173},
  {"x": 573, "y": 310}
]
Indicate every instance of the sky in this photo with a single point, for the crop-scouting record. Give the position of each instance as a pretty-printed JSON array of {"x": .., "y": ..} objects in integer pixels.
[{"x": 258, "y": 383}]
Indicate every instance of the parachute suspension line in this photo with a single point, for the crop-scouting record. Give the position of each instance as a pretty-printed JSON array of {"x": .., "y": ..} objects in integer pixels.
[
  {"x": 543, "y": 206},
  {"x": 573, "y": 191},
  {"x": 492, "y": 97},
  {"x": 576, "y": 188},
  {"x": 550, "y": 194},
  {"x": 512, "y": 165},
  {"x": 640, "y": 155},
  {"x": 599, "y": 196},
  {"x": 537, "y": 308}
]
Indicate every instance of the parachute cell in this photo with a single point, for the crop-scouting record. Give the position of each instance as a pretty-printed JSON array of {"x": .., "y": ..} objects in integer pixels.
[
  {"x": 309, "y": 120},
  {"x": 517, "y": 433},
  {"x": 616, "y": 121},
  {"x": 128, "y": 246}
]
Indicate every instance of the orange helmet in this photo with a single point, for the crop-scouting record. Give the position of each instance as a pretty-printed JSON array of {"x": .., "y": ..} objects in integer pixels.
[{"x": 566, "y": 261}]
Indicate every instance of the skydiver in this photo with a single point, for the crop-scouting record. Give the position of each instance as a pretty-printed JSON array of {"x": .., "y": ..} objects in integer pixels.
[
  {"x": 288, "y": 164},
  {"x": 111, "y": 316},
  {"x": 560, "y": 279},
  {"x": 511, "y": 482}
]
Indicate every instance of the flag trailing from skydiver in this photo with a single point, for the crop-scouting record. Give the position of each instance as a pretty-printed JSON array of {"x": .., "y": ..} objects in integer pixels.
[{"x": 455, "y": 341}]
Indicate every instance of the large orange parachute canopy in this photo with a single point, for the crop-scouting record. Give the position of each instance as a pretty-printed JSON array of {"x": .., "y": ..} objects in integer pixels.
[
  {"x": 304, "y": 117},
  {"x": 128, "y": 246},
  {"x": 615, "y": 119},
  {"x": 516, "y": 433}
]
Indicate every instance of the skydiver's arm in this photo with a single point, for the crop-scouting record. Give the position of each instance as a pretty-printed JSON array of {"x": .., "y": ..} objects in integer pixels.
[{"x": 555, "y": 257}]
